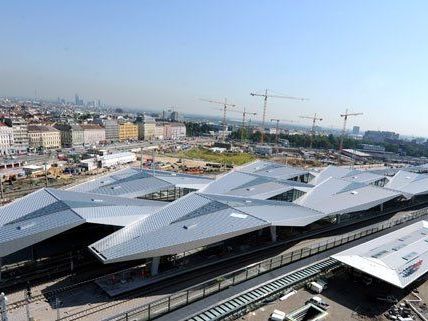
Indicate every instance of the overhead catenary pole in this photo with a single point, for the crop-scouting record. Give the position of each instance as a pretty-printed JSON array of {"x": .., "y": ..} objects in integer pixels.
[
  {"x": 226, "y": 105},
  {"x": 141, "y": 157},
  {"x": 1, "y": 190},
  {"x": 265, "y": 96},
  {"x": 3, "y": 307},
  {"x": 46, "y": 174},
  {"x": 314, "y": 123},
  {"x": 345, "y": 119}
]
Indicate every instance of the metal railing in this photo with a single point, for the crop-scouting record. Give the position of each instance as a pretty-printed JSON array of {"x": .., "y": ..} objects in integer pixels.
[{"x": 163, "y": 306}]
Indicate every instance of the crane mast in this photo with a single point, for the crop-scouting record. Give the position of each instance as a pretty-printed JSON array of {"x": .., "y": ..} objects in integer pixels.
[
  {"x": 265, "y": 96},
  {"x": 345, "y": 120},
  {"x": 226, "y": 105},
  {"x": 244, "y": 114},
  {"x": 277, "y": 130},
  {"x": 314, "y": 123}
]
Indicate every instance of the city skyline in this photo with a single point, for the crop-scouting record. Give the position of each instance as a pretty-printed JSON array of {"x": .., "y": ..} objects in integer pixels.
[{"x": 368, "y": 58}]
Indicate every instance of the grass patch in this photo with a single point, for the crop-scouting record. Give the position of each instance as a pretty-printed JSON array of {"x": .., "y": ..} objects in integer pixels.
[{"x": 223, "y": 158}]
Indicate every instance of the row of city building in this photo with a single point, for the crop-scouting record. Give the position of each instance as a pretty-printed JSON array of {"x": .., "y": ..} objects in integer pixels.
[{"x": 17, "y": 136}]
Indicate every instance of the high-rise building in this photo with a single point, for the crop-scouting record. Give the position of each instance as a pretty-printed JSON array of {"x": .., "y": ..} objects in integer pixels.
[
  {"x": 77, "y": 100},
  {"x": 356, "y": 130}
]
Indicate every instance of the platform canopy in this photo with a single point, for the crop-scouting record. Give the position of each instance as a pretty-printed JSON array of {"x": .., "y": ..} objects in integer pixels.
[
  {"x": 197, "y": 220},
  {"x": 348, "y": 174},
  {"x": 340, "y": 196},
  {"x": 135, "y": 182},
  {"x": 238, "y": 183},
  {"x": 48, "y": 212},
  {"x": 398, "y": 258},
  {"x": 409, "y": 183},
  {"x": 249, "y": 198}
]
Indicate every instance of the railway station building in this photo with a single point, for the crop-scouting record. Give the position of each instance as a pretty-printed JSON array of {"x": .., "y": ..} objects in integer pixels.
[{"x": 153, "y": 215}]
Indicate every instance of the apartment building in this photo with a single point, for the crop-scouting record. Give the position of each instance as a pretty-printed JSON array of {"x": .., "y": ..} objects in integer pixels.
[
  {"x": 41, "y": 136},
  {"x": 146, "y": 127},
  {"x": 20, "y": 134},
  {"x": 6, "y": 139},
  {"x": 93, "y": 134},
  {"x": 111, "y": 128},
  {"x": 71, "y": 135},
  {"x": 128, "y": 131}
]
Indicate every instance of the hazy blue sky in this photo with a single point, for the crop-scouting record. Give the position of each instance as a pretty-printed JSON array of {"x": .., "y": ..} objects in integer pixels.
[{"x": 370, "y": 56}]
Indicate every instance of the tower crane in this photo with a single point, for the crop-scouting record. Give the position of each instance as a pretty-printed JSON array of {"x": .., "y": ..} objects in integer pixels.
[
  {"x": 265, "y": 96},
  {"x": 244, "y": 116},
  {"x": 314, "y": 119},
  {"x": 277, "y": 129},
  {"x": 345, "y": 120},
  {"x": 226, "y": 105}
]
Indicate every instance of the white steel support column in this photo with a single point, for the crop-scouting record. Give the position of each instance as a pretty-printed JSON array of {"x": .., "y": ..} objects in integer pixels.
[
  {"x": 3, "y": 307},
  {"x": 154, "y": 270},
  {"x": 381, "y": 207},
  {"x": 273, "y": 233}
]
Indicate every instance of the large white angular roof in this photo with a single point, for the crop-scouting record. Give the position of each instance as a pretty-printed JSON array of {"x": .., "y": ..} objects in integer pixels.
[
  {"x": 234, "y": 204},
  {"x": 353, "y": 175},
  {"x": 398, "y": 258},
  {"x": 238, "y": 183},
  {"x": 339, "y": 196},
  {"x": 409, "y": 183},
  {"x": 135, "y": 182},
  {"x": 196, "y": 220},
  {"x": 48, "y": 212}
]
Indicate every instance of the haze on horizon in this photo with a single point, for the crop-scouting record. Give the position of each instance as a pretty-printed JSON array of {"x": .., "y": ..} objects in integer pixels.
[{"x": 368, "y": 56}]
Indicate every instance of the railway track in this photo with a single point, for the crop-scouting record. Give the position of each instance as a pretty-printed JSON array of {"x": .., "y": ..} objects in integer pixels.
[
  {"x": 203, "y": 275},
  {"x": 206, "y": 274},
  {"x": 52, "y": 294},
  {"x": 171, "y": 282}
]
